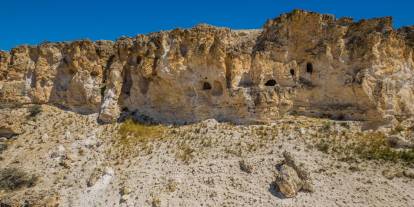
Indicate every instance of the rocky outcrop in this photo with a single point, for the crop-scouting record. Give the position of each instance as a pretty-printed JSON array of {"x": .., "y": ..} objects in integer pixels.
[
  {"x": 300, "y": 63},
  {"x": 292, "y": 178},
  {"x": 11, "y": 124}
]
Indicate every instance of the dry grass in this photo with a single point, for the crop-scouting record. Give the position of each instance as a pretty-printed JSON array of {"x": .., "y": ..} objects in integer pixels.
[
  {"x": 140, "y": 132},
  {"x": 376, "y": 146},
  {"x": 370, "y": 146},
  {"x": 133, "y": 135},
  {"x": 185, "y": 153},
  {"x": 156, "y": 201},
  {"x": 171, "y": 186}
]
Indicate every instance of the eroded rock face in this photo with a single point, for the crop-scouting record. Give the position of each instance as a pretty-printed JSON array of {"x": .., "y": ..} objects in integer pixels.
[
  {"x": 301, "y": 62},
  {"x": 11, "y": 124}
]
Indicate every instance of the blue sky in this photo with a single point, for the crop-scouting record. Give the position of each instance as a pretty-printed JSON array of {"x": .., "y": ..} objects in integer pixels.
[{"x": 35, "y": 21}]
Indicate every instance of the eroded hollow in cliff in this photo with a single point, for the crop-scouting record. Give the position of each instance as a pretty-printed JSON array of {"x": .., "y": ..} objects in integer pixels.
[
  {"x": 309, "y": 68},
  {"x": 127, "y": 82},
  {"x": 271, "y": 82},
  {"x": 292, "y": 72},
  {"x": 138, "y": 60},
  {"x": 206, "y": 86}
]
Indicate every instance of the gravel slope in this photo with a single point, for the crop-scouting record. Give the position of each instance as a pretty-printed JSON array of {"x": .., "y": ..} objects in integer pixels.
[{"x": 80, "y": 163}]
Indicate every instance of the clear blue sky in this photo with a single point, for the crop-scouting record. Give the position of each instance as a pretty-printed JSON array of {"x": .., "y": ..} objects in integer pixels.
[{"x": 34, "y": 21}]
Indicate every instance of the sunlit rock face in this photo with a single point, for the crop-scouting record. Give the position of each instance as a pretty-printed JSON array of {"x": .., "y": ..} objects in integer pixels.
[
  {"x": 299, "y": 63},
  {"x": 65, "y": 74}
]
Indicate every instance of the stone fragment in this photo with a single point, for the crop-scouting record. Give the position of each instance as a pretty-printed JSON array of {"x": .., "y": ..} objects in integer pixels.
[
  {"x": 292, "y": 178},
  {"x": 245, "y": 167},
  {"x": 288, "y": 181},
  {"x": 94, "y": 177}
]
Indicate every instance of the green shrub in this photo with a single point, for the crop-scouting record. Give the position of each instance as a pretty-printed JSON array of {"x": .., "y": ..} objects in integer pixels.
[
  {"x": 323, "y": 146},
  {"x": 34, "y": 111},
  {"x": 326, "y": 126}
]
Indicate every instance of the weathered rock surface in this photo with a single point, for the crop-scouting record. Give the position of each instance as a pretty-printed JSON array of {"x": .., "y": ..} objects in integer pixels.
[
  {"x": 400, "y": 142},
  {"x": 301, "y": 62},
  {"x": 292, "y": 178},
  {"x": 10, "y": 124}
]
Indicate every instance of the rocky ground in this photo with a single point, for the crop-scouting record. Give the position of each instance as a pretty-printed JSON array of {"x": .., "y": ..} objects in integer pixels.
[{"x": 53, "y": 157}]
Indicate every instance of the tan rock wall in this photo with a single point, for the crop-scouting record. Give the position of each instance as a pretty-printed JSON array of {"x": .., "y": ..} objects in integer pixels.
[{"x": 301, "y": 62}]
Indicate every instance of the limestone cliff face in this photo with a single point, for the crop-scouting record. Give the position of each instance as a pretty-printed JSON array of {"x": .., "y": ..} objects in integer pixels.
[{"x": 301, "y": 63}]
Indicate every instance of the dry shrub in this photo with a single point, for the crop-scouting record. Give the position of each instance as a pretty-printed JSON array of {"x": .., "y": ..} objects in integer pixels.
[{"x": 14, "y": 179}]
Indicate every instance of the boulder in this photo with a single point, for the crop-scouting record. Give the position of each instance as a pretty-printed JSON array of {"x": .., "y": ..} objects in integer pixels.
[
  {"x": 288, "y": 181},
  {"x": 291, "y": 178}
]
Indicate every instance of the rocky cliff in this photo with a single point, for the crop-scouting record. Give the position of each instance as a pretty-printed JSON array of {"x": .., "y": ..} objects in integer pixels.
[{"x": 299, "y": 63}]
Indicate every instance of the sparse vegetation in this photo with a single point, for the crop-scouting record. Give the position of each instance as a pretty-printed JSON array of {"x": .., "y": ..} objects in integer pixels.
[
  {"x": 245, "y": 167},
  {"x": 237, "y": 152},
  {"x": 377, "y": 147},
  {"x": 3, "y": 147},
  {"x": 156, "y": 202},
  {"x": 345, "y": 125},
  {"x": 141, "y": 132},
  {"x": 326, "y": 126},
  {"x": 171, "y": 185},
  {"x": 397, "y": 129},
  {"x": 370, "y": 146},
  {"x": 323, "y": 146},
  {"x": 133, "y": 134},
  {"x": 185, "y": 153},
  {"x": 14, "y": 179},
  {"x": 34, "y": 111}
]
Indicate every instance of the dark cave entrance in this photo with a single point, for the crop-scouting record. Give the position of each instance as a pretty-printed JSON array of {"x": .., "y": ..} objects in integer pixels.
[
  {"x": 270, "y": 82},
  {"x": 309, "y": 68},
  {"x": 206, "y": 86},
  {"x": 292, "y": 72}
]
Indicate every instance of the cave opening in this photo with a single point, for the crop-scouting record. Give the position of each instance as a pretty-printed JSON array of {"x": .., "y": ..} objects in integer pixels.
[
  {"x": 206, "y": 86},
  {"x": 139, "y": 59},
  {"x": 309, "y": 68},
  {"x": 292, "y": 72},
  {"x": 127, "y": 82},
  {"x": 271, "y": 82}
]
